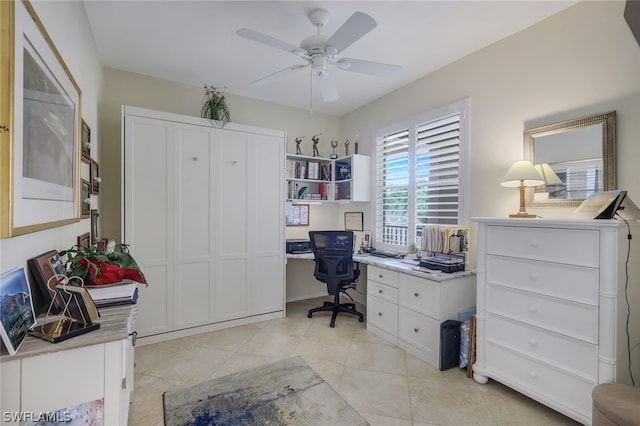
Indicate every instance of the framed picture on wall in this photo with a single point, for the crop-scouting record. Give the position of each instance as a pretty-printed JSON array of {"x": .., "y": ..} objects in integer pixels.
[
  {"x": 94, "y": 226},
  {"x": 299, "y": 215},
  {"x": 43, "y": 168},
  {"x": 86, "y": 141},
  {"x": 353, "y": 221},
  {"x": 85, "y": 194},
  {"x": 95, "y": 177}
]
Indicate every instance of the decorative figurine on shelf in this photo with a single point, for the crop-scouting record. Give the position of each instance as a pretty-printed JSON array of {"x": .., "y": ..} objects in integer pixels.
[
  {"x": 334, "y": 145},
  {"x": 346, "y": 148},
  {"x": 315, "y": 140},
  {"x": 298, "y": 142},
  {"x": 355, "y": 145}
]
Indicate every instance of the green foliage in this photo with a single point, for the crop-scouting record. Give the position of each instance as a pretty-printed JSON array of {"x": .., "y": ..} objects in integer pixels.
[
  {"x": 215, "y": 106},
  {"x": 120, "y": 256}
]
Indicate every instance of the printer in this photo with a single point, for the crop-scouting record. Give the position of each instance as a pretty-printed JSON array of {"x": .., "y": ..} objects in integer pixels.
[{"x": 298, "y": 246}]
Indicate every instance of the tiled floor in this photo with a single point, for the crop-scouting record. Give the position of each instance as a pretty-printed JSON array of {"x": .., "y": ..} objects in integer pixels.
[{"x": 383, "y": 383}]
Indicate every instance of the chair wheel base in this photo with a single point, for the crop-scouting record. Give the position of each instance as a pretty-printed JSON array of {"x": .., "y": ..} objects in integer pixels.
[
  {"x": 309, "y": 315},
  {"x": 332, "y": 324}
]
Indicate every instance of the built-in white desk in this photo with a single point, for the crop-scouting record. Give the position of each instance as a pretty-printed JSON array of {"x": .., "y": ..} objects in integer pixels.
[{"x": 406, "y": 303}]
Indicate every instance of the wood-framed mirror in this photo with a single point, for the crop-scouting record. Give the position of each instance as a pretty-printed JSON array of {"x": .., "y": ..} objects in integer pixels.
[{"x": 576, "y": 158}]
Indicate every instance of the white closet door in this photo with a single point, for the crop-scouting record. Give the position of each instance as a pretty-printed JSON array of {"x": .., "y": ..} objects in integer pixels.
[
  {"x": 148, "y": 215},
  {"x": 195, "y": 151},
  {"x": 230, "y": 298},
  {"x": 265, "y": 217}
]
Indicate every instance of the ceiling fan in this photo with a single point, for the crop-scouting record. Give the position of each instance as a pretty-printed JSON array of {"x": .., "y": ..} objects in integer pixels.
[{"x": 319, "y": 51}]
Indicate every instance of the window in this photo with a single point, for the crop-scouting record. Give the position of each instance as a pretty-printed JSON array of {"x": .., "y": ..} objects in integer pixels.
[{"x": 421, "y": 175}]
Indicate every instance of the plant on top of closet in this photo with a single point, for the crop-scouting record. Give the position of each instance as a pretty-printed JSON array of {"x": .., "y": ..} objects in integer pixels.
[{"x": 214, "y": 105}]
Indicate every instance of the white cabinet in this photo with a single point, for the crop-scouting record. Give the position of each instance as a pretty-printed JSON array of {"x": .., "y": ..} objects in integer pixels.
[
  {"x": 323, "y": 179},
  {"x": 202, "y": 212},
  {"x": 407, "y": 309},
  {"x": 551, "y": 308},
  {"x": 43, "y": 378}
]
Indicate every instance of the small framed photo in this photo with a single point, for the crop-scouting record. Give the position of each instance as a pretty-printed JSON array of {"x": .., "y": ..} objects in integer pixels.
[
  {"x": 299, "y": 215},
  {"x": 84, "y": 240},
  {"x": 95, "y": 177},
  {"x": 86, "y": 142},
  {"x": 353, "y": 221},
  {"x": 85, "y": 194},
  {"x": 94, "y": 226}
]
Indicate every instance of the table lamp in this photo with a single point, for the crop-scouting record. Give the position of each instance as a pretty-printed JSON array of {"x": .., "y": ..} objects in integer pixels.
[
  {"x": 520, "y": 175},
  {"x": 550, "y": 178}
]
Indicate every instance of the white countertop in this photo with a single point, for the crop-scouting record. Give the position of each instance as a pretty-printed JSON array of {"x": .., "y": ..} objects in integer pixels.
[{"x": 407, "y": 266}]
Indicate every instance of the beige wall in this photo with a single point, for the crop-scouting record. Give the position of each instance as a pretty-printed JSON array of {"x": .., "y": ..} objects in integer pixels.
[{"x": 581, "y": 61}]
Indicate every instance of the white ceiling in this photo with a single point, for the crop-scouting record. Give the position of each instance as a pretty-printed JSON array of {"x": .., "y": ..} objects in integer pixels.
[{"x": 195, "y": 42}]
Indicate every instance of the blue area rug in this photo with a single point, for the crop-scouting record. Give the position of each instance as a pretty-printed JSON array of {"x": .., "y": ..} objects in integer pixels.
[{"x": 287, "y": 392}]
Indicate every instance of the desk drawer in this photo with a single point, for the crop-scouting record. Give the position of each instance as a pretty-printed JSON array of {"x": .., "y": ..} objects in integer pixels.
[
  {"x": 569, "y": 318},
  {"x": 383, "y": 276},
  {"x": 383, "y": 314},
  {"x": 382, "y": 291},
  {"x": 421, "y": 332},
  {"x": 553, "y": 348},
  {"x": 577, "y": 283},
  {"x": 421, "y": 295},
  {"x": 569, "y": 246}
]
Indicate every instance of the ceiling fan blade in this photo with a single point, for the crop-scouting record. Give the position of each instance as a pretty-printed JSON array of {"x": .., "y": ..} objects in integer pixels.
[
  {"x": 368, "y": 67},
  {"x": 276, "y": 75},
  {"x": 355, "y": 27},
  {"x": 270, "y": 41},
  {"x": 328, "y": 88}
]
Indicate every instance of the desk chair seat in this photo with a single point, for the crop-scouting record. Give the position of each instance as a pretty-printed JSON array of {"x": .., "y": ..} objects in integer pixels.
[{"x": 333, "y": 251}]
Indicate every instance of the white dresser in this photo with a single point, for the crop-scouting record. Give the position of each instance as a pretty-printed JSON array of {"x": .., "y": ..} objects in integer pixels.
[
  {"x": 552, "y": 310},
  {"x": 407, "y": 308}
]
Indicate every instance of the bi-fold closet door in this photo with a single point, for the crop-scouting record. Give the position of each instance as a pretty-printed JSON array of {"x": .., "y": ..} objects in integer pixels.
[{"x": 203, "y": 212}]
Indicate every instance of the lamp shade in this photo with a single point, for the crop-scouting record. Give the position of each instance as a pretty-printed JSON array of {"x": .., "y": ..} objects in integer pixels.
[
  {"x": 522, "y": 172},
  {"x": 550, "y": 177}
]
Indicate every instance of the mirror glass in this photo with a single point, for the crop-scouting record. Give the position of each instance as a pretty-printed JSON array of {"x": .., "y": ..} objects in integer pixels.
[{"x": 576, "y": 158}]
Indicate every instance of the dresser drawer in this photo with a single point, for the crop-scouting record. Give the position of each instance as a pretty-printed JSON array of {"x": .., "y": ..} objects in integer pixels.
[
  {"x": 383, "y": 276},
  {"x": 556, "y": 349},
  {"x": 420, "y": 295},
  {"x": 382, "y": 291},
  {"x": 570, "y": 246},
  {"x": 421, "y": 332},
  {"x": 541, "y": 379},
  {"x": 383, "y": 314},
  {"x": 569, "y": 318},
  {"x": 577, "y": 283}
]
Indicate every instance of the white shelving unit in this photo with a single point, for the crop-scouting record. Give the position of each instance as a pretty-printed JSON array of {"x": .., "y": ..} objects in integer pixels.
[{"x": 319, "y": 179}]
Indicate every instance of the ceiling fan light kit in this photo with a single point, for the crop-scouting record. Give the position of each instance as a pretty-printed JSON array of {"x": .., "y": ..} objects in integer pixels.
[{"x": 319, "y": 51}]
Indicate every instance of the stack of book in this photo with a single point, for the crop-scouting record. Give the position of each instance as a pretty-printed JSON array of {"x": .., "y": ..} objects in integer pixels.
[{"x": 121, "y": 293}]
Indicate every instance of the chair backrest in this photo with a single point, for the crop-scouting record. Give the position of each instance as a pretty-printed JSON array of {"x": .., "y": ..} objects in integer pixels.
[{"x": 333, "y": 251}]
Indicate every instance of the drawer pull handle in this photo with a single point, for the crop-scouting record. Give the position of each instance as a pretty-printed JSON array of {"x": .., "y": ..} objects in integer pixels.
[
  {"x": 533, "y": 375},
  {"x": 533, "y": 342},
  {"x": 379, "y": 314},
  {"x": 380, "y": 276},
  {"x": 380, "y": 291},
  {"x": 415, "y": 330},
  {"x": 533, "y": 309},
  {"x": 416, "y": 294}
]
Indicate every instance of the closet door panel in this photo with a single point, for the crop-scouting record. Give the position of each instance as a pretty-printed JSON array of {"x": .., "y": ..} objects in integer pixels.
[
  {"x": 231, "y": 233},
  {"x": 231, "y": 289},
  {"x": 192, "y": 290},
  {"x": 148, "y": 216}
]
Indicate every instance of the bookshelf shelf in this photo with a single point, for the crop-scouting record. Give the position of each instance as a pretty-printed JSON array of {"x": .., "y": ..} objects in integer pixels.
[{"x": 328, "y": 180}]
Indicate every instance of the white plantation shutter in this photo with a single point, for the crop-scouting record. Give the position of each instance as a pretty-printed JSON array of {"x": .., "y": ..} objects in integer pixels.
[{"x": 420, "y": 173}]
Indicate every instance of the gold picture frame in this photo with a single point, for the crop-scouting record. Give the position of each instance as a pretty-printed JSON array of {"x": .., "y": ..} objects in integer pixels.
[
  {"x": 354, "y": 221},
  {"x": 40, "y": 188}
]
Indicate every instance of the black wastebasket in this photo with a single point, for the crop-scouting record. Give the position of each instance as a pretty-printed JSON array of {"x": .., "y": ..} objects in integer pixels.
[{"x": 449, "y": 344}]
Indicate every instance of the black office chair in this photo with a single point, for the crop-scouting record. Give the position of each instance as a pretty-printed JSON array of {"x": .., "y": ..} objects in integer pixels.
[{"x": 333, "y": 251}]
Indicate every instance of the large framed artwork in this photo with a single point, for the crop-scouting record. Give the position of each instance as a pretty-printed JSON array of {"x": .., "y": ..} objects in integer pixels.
[{"x": 45, "y": 134}]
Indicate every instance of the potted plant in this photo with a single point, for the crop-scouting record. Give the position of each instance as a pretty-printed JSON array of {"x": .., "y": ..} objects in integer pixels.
[
  {"x": 99, "y": 267},
  {"x": 215, "y": 106}
]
